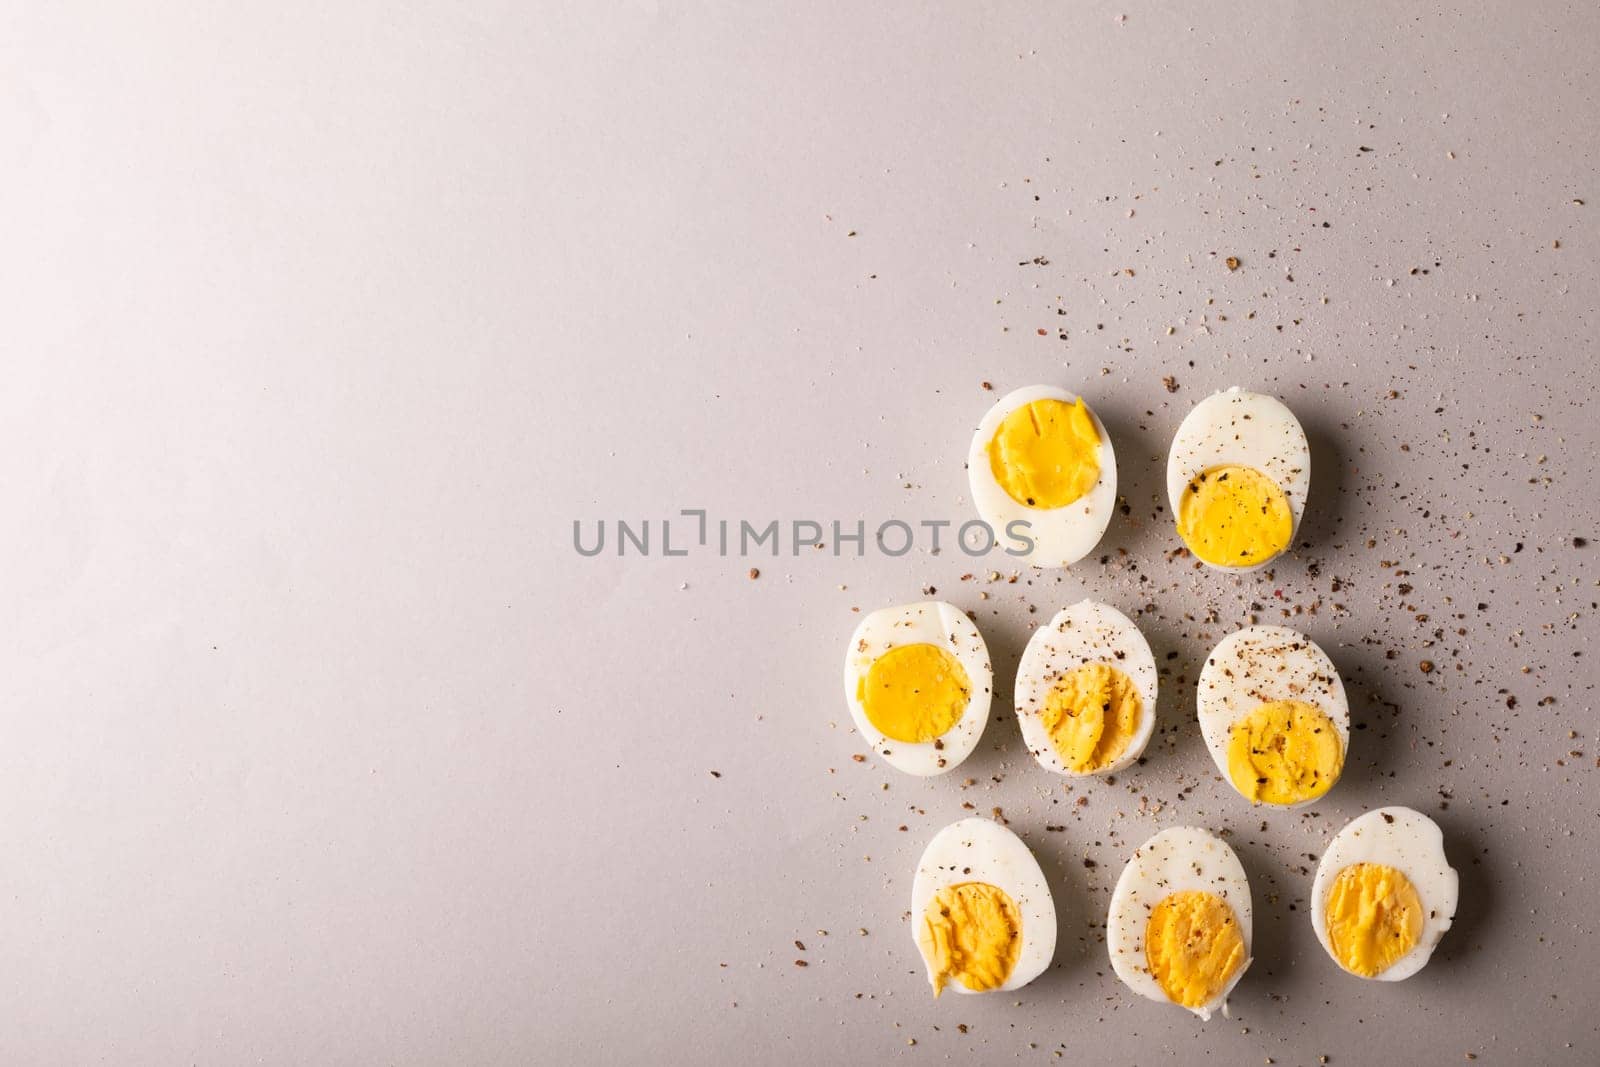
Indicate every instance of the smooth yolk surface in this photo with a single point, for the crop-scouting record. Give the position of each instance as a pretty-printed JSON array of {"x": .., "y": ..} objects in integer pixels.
[
  {"x": 1091, "y": 714},
  {"x": 1284, "y": 752},
  {"x": 1193, "y": 946},
  {"x": 914, "y": 693},
  {"x": 1046, "y": 454},
  {"x": 1235, "y": 517},
  {"x": 971, "y": 933},
  {"x": 1374, "y": 917}
]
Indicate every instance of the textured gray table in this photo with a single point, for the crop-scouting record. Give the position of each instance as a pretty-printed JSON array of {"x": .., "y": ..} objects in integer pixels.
[{"x": 326, "y": 321}]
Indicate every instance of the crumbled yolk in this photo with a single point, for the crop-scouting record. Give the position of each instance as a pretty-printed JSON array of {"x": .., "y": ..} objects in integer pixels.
[
  {"x": 1284, "y": 752},
  {"x": 972, "y": 933},
  {"x": 1091, "y": 714},
  {"x": 914, "y": 693},
  {"x": 1235, "y": 517},
  {"x": 1046, "y": 454},
  {"x": 1193, "y": 946},
  {"x": 1374, "y": 918}
]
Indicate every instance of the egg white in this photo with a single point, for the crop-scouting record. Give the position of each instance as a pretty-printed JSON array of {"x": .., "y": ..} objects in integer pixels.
[
  {"x": 1086, "y": 632},
  {"x": 1258, "y": 664},
  {"x": 1238, "y": 428},
  {"x": 932, "y": 622},
  {"x": 1178, "y": 860},
  {"x": 980, "y": 850},
  {"x": 1061, "y": 536},
  {"x": 1412, "y": 844}
]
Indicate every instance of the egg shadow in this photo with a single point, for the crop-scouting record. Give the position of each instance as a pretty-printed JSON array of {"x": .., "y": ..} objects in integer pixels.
[
  {"x": 1475, "y": 904},
  {"x": 1002, "y": 738},
  {"x": 1074, "y": 913},
  {"x": 1327, "y": 503},
  {"x": 1375, "y": 718},
  {"x": 1137, "y": 526},
  {"x": 1270, "y": 923},
  {"x": 1175, "y": 712}
]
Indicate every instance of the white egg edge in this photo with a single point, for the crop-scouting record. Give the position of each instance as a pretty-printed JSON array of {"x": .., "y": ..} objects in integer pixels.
[
  {"x": 1433, "y": 927},
  {"x": 997, "y": 508},
  {"x": 1036, "y": 902},
  {"x": 1125, "y": 950},
  {"x": 973, "y": 655},
  {"x": 1032, "y": 686},
  {"x": 1179, "y": 472},
  {"x": 1214, "y": 730}
]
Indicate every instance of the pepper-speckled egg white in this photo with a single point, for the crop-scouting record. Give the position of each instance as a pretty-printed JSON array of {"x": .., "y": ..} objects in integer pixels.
[
  {"x": 1083, "y": 635},
  {"x": 978, "y": 850},
  {"x": 1182, "y": 860},
  {"x": 1060, "y": 536},
  {"x": 1261, "y": 665},
  {"x": 930, "y": 623}
]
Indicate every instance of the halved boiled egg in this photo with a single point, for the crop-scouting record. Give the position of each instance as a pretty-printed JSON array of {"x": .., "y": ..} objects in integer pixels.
[
  {"x": 981, "y": 909},
  {"x": 1179, "y": 925},
  {"x": 1384, "y": 894},
  {"x": 1042, "y": 459},
  {"x": 918, "y": 680},
  {"x": 1237, "y": 479},
  {"x": 1274, "y": 715},
  {"x": 1086, "y": 691}
]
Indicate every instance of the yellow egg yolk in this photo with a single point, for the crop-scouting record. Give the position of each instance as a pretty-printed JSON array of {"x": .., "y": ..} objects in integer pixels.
[
  {"x": 1046, "y": 454},
  {"x": 1374, "y": 918},
  {"x": 1284, "y": 752},
  {"x": 970, "y": 933},
  {"x": 1091, "y": 714},
  {"x": 1235, "y": 517},
  {"x": 914, "y": 693},
  {"x": 1193, "y": 946}
]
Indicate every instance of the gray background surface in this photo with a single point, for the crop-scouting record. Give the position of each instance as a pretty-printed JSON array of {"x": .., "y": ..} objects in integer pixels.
[{"x": 323, "y": 322}]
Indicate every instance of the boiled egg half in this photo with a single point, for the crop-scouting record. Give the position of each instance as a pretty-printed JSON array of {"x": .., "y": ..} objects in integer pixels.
[
  {"x": 981, "y": 910},
  {"x": 1274, "y": 715},
  {"x": 1179, "y": 925},
  {"x": 1384, "y": 894},
  {"x": 1043, "y": 474},
  {"x": 1237, "y": 479},
  {"x": 1086, "y": 691},
  {"x": 918, "y": 679}
]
